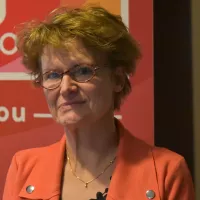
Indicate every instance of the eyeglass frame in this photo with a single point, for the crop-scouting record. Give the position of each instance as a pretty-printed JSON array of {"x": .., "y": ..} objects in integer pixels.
[{"x": 94, "y": 68}]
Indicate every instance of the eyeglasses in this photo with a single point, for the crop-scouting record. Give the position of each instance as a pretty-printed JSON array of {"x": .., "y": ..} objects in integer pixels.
[{"x": 79, "y": 73}]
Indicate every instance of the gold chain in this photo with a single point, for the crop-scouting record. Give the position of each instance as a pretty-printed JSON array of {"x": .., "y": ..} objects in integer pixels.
[{"x": 88, "y": 182}]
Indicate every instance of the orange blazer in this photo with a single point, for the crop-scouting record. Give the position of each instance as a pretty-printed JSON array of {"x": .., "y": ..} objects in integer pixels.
[{"x": 142, "y": 172}]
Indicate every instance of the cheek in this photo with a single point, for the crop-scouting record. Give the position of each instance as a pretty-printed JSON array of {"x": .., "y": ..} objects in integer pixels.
[
  {"x": 50, "y": 99},
  {"x": 101, "y": 98}
]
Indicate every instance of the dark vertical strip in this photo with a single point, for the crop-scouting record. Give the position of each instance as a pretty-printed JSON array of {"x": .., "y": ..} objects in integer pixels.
[{"x": 173, "y": 77}]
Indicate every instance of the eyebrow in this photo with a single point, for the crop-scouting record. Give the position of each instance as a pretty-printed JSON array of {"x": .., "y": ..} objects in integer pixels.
[{"x": 57, "y": 68}]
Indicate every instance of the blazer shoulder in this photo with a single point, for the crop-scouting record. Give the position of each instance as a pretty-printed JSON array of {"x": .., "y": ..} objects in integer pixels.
[
  {"x": 160, "y": 154},
  {"x": 173, "y": 175},
  {"x": 164, "y": 155},
  {"x": 38, "y": 152}
]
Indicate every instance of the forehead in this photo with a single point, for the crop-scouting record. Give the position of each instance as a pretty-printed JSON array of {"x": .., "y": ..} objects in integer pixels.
[{"x": 73, "y": 53}]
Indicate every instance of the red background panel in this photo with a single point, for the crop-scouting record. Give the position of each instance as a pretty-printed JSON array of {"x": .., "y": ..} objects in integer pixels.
[
  {"x": 21, "y": 11},
  {"x": 137, "y": 112}
]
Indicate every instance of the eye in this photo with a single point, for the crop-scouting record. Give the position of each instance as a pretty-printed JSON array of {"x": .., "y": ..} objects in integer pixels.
[
  {"x": 51, "y": 75},
  {"x": 82, "y": 70},
  {"x": 82, "y": 73}
]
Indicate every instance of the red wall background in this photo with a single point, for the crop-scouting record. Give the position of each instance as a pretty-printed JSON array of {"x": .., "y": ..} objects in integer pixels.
[{"x": 21, "y": 103}]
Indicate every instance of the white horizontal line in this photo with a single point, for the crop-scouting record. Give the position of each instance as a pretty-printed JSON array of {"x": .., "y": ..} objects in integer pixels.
[
  {"x": 118, "y": 116},
  {"x": 9, "y": 76},
  {"x": 16, "y": 76},
  {"x": 47, "y": 115},
  {"x": 42, "y": 115}
]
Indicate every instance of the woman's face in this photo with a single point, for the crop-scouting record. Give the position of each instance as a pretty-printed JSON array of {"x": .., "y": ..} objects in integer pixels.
[{"x": 74, "y": 103}]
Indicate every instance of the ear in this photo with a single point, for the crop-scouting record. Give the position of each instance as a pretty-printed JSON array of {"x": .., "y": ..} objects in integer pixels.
[{"x": 119, "y": 79}]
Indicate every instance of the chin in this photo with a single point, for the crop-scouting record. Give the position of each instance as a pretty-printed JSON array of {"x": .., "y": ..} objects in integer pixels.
[{"x": 69, "y": 119}]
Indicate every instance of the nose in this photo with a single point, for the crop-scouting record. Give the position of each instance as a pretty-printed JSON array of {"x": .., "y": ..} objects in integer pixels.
[{"x": 68, "y": 86}]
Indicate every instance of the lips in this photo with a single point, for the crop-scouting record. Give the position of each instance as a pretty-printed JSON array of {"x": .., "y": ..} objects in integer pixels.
[{"x": 69, "y": 103}]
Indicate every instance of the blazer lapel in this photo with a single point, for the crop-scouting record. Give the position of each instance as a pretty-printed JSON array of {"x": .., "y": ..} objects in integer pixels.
[
  {"x": 45, "y": 175},
  {"x": 135, "y": 171}
]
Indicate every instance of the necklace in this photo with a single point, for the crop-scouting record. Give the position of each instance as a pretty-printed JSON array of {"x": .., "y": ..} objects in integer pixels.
[{"x": 90, "y": 181}]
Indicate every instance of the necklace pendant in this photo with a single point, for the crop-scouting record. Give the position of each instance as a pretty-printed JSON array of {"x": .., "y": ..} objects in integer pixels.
[{"x": 86, "y": 185}]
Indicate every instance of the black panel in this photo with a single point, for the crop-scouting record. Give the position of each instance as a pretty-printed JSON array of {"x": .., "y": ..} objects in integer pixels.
[{"x": 173, "y": 77}]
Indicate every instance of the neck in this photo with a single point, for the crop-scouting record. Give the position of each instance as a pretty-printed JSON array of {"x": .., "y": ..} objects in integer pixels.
[{"x": 93, "y": 145}]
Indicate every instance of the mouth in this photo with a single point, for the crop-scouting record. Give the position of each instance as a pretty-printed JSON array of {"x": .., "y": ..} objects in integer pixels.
[{"x": 71, "y": 103}]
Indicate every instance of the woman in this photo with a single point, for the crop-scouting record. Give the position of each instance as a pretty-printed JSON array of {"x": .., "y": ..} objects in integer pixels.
[{"x": 81, "y": 57}]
